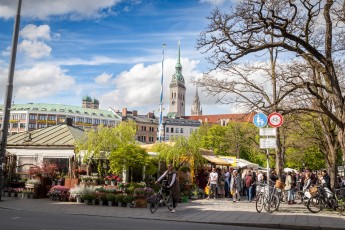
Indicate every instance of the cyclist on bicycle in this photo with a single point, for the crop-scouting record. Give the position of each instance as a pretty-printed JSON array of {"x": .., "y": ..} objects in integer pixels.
[{"x": 173, "y": 185}]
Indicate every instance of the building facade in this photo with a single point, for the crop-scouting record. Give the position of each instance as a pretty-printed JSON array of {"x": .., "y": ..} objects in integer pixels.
[
  {"x": 177, "y": 106},
  {"x": 147, "y": 125},
  {"x": 175, "y": 127},
  {"x": 223, "y": 119},
  {"x": 27, "y": 117}
]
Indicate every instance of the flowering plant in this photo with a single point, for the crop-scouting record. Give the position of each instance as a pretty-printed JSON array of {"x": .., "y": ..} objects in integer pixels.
[
  {"x": 143, "y": 191},
  {"x": 113, "y": 178}
]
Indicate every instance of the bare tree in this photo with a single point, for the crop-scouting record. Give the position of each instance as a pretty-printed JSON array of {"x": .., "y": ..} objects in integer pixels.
[{"x": 310, "y": 30}]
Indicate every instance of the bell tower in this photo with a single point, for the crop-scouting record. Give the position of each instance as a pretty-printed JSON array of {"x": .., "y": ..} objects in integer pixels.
[{"x": 177, "y": 106}]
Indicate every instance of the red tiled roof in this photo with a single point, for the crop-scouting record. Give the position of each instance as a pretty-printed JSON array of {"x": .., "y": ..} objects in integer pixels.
[{"x": 242, "y": 117}]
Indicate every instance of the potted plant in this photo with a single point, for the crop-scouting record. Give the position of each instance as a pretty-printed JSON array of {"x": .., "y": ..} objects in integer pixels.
[
  {"x": 88, "y": 198},
  {"x": 128, "y": 199},
  {"x": 101, "y": 197},
  {"x": 119, "y": 198},
  {"x": 110, "y": 198}
]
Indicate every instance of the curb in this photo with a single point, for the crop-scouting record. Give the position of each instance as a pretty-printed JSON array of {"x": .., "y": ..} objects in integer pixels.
[{"x": 254, "y": 225}]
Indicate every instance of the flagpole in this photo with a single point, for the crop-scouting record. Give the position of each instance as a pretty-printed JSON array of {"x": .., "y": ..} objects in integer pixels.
[{"x": 160, "y": 128}]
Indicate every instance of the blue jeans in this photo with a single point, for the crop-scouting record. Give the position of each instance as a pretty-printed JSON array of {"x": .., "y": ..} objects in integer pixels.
[
  {"x": 249, "y": 191},
  {"x": 291, "y": 194}
]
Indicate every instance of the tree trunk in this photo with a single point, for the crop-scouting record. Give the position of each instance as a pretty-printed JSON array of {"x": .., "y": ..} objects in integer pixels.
[{"x": 279, "y": 158}]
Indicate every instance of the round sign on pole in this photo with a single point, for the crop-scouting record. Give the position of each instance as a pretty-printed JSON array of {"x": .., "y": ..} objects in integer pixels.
[
  {"x": 275, "y": 119},
  {"x": 260, "y": 120}
]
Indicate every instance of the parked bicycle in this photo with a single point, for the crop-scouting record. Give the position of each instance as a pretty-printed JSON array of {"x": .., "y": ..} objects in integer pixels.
[
  {"x": 269, "y": 201},
  {"x": 161, "y": 198},
  {"x": 321, "y": 197},
  {"x": 339, "y": 195}
]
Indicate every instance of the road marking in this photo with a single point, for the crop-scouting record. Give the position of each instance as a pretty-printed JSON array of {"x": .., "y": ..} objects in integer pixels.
[{"x": 14, "y": 218}]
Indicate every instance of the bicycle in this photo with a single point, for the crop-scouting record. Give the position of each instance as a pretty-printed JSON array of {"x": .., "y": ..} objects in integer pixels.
[
  {"x": 161, "y": 198},
  {"x": 339, "y": 195},
  {"x": 321, "y": 198},
  {"x": 269, "y": 203}
]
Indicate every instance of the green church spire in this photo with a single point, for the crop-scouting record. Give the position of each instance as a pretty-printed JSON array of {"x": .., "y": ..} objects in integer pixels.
[{"x": 178, "y": 67}]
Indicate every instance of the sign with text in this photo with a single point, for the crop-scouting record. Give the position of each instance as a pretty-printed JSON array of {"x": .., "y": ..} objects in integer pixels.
[
  {"x": 268, "y": 143},
  {"x": 268, "y": 132}
]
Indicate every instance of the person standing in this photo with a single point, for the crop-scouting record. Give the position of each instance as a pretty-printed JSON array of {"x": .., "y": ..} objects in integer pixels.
[
  {"x": 289, "y": 188},
  {"x": 212, "y": 181},
  {"x": 248, "y": 181},
  {"x": 235, "y": 186},
  {"x": 227, "y": 183},
  {"x": 173, "y": 185}
]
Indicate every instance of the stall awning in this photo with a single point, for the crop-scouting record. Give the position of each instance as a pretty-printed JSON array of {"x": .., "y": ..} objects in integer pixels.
[
  {"x": 215, "y": 160},
  {"x": 45, "y": 153}
]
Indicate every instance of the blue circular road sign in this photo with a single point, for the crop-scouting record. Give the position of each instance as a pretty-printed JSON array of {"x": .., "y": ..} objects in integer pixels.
[{"x": 260, "y": 120}]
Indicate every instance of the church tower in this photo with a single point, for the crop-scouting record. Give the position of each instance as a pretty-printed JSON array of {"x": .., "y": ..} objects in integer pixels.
[
  {"x": 177, "y": 91},
  {"x": 196, "y": 108}
]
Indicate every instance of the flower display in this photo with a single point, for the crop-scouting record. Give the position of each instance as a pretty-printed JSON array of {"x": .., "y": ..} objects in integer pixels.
[
  {"x": 146, "y": 191},
  {"x": 59, "y": 192}
]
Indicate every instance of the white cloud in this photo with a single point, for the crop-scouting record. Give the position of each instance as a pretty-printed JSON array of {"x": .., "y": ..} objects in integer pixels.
[
  {"x": 42, "y": 80},
  {"x": 34, "y": 49},
  {"x": 103, "y": 79},
  {"x": 139, "y": 87},
  {"x": 33, "y": 32},
  {"x": 33, "y": 45},
  {"x": 44, "y": 8},
  {"x": 213, "y": 2}
]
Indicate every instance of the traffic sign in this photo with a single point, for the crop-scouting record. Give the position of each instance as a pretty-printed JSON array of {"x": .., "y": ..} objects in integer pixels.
[
  {"x": 268, "y": 132},
  {"x": 260, "y": 120},
  {"x": 275, "y": 119},
  {"x": 268, "y": 143}
]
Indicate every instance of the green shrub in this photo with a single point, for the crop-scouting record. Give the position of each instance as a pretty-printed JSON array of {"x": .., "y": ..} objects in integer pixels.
[{"x": 110, "y": 197}]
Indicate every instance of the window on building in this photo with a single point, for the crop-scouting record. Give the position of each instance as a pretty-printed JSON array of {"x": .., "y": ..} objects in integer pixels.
[
  {"x": 41, "y": 117},
  {"x": 181, "y": 130},
  {"x": 32, "y": 117},
  {"x": 32, "y": 126},
  {"x": 15, "y": 116},
  {"x": 167, "y": 130},
  {"x": 22, "y": 116},
  {"x": 14, "y": 125},
  {"x": 40, "y": 126},
  {"x": 177, "y": 130},
  {"x": 171, "y": 130},
  {"x": 105, "y": 122},
  {"x": 22, "y": 125},
  {"x": 96, "y": 122},
  {"x": 51, "y": 117}
]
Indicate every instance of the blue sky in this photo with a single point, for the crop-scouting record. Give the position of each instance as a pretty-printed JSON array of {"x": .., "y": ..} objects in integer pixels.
[{"x": 107, "y": 49}]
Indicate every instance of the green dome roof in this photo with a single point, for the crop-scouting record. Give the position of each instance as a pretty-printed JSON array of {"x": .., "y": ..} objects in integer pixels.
[
  {"x": 95, "y": 101},
  {"x": 87, "y": 98}
]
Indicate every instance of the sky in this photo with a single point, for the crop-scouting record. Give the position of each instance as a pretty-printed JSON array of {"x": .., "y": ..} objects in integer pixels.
[{"x": 110, "y": 50}]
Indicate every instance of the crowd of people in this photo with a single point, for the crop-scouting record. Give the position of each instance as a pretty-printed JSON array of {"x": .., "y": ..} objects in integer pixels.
[{"x": 230, "y": 183}]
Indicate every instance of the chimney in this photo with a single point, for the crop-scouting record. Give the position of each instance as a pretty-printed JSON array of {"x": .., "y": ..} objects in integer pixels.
[
  {"x": 124, "y": 112},
  {"x": 69, "y": 121},
  {"x": 135, "y": 113},
  {"x": 151, "y": 115}
]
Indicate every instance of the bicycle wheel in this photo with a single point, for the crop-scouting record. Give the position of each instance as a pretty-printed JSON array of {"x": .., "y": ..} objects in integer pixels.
[
  {"x": 154, "y": 205},
  {"x": 273, "y": 205},
  {"x": 259, "y": 202},
  {"x": 314, "y": 204},
  {"x": 169, "y": 203}
]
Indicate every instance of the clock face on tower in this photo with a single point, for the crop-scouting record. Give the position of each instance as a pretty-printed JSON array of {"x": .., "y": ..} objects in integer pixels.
[{"x": 173, "y": 102}]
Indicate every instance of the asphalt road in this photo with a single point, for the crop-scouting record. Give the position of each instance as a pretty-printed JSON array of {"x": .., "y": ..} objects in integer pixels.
[{"x": 26, "y": 220}]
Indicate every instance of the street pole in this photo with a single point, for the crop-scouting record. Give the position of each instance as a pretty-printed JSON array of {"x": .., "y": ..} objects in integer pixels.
[{"x": 8, "y": 95}]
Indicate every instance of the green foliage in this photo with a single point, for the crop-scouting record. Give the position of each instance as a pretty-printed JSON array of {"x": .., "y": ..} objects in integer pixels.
[
  {"x": 183, "y": 152},
  {"x": 117, "y": 144}
]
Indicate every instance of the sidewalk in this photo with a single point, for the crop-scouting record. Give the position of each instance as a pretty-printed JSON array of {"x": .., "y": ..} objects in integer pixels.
[{"x": 221, "y": 211}]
